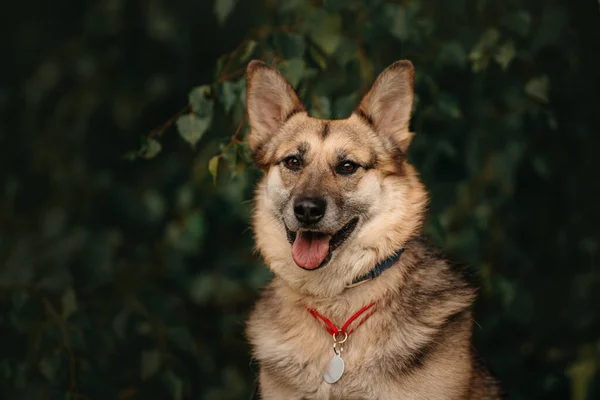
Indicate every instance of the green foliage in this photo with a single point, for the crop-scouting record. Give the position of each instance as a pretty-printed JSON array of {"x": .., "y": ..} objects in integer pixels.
[{"x": 127, "y": 274}]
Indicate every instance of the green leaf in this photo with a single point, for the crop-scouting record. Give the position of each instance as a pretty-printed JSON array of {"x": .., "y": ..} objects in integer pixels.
[
  {"x": 505, "y": 54},
  {"x": 538, "y": 88},
  {"x": 449, "y": 106},
  {"x": 338, "y": 5},
  {"x": 397, "y": 20},
  {"x": 5, "y": 370},
  {"x": 321, "y": 107},
  {"x": 230, "y": 156},
  {"x": 291, "y": 45},
  {"x": 175, "y": 384},
  {"x": 318, "y": 57},
  {"x": 49, "y": 366},
  {"x": 68, "y": 302},
  {"x": 288, "y": 5},
  {"x": 119, "y": 324},
  {"x": 550, "y": 30},
  {"x": 293, "y": 70},
  {"x": 325, "y": 30},
  {"x": 192, "y": 127},
  {"x": 202, "y": 287},
  {"x": 200, "y": 101},
  {"x": 223, "y": 9},
  {"x": 343, "y": 106},
  {"x": 582, "y": 372},
  {"x": 482, "y": 50},
  {"x": 228, "y": 95},
  {"x": 213, "y": 166},
  {"x": 248, "y": 50},
  {"x": 453, "y": 54},
  {"x": 150, "y": 363},
  {"x": 346, "y": 52},
  {"x": 153, "y": 147},
  {"x": 518, "y": 22}
]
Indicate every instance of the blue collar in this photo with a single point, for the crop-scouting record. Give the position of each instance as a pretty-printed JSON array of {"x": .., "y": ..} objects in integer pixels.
[{"x": 379, "y": 268}]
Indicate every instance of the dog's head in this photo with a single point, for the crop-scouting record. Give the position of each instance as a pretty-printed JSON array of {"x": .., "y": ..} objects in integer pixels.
[{"x": 338, "y": 196}]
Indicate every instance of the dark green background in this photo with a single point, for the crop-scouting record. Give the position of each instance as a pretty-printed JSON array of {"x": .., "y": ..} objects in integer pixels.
[{"x": 131, "y": 277}]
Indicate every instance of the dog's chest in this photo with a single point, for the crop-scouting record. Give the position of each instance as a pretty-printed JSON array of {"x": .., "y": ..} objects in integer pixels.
[{"x": 299, "y": 359}]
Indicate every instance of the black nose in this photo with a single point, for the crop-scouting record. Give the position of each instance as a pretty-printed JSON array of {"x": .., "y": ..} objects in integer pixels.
[{"x": 309, "y": 210}]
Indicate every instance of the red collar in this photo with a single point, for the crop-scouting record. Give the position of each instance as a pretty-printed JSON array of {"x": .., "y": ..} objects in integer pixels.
[{"x": 333, "y": 330}]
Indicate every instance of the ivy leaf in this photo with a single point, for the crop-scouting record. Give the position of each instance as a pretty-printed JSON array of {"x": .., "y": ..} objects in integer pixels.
[
  {"x": 505, "y": 54},
  {"x": 153, "y": 147},
  {"x": 449, "y": 106},
  {"x": 550, "y": 29},
  {"x": 325, "y": 30},
  {"x": 288, "y": 5},
  {"x": 343, "y": 106},
  {"x": 69, "y": 303},
  {"x": 293, "y": 70},
  {"x": 290, "y": 45},
  {"x": 346, "y": 52},
  {"x": 200, "y": 101},
  {"x": 213, "y": 166},
  {"x": 518, "y": 22},
  {"x": 338, "y": 5},
  {"x": 192, "y": 127},
  {"x": 49, "y": 366},
  {"x": 322, "y": 107},
  {"x": 397, "y": 20},
  {"x": 175, "y": 383},
  {"x": 453, "y": 53},
  {"x": 228, "y": 95},
  {"x": 230, "y": 156},
  {"x": 538, "y": 88},
  {"x": 481, "y": 51},
  {"x": 150, "y": 363},
  {"x": 223, "y": 9},
  {"x": 318, "y": 57},
  {"x": 248, "y": 50}
]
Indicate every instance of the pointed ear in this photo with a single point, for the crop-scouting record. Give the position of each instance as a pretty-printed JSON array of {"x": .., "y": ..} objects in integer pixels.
[
  {"x": 388, "y": 104},
  {"x": 270, "y": 100}
]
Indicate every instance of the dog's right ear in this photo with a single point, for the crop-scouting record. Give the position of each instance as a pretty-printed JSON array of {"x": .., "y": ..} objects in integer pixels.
[
  {"x": 270, "y": 99},
  {"x": 388, "y": 104}
]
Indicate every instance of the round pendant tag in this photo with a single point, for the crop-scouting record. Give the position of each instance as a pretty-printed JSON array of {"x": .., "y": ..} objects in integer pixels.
[{"x": 334, "y": 369}]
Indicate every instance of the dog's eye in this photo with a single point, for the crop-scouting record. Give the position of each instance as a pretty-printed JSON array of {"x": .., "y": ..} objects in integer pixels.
[
  {"x": 347, "y": 168},
  {"x": 292, "y": 163}
]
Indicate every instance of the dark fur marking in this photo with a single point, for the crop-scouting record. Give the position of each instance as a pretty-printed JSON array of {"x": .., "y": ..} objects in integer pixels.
[
  {"x": 259, "y": 155},
  {"x": 325, "y": 131},
  {"x": 303, "y": 148},
  {"x": 419, "y": 357},
  {"x": 295, "y": 111},
  {"x": 365, "y": 117},
  {"x": 399, "y": 157},
  {"x": 372, "y": 163}
]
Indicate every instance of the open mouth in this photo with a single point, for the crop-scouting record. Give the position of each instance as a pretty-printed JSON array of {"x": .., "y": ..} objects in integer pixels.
[{"x": 312, "y": 250}]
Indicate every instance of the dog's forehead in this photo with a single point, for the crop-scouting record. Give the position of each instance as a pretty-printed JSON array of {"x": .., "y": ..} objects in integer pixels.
[{"x": 347, "y": 137}]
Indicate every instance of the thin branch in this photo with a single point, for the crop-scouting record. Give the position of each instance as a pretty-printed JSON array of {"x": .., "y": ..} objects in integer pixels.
[
  {"x": 59, "y": 321},
  {"x": 160, "y": 129}
]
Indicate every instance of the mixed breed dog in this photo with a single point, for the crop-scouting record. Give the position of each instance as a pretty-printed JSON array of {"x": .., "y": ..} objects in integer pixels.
[{"x": 361, "y": 306}]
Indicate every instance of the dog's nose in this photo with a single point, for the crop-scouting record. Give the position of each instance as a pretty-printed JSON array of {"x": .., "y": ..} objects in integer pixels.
[{"x": 309, "y": 210}]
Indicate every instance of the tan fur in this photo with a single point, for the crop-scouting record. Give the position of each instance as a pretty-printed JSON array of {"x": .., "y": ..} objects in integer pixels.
[{"x": 417, "y": 345}]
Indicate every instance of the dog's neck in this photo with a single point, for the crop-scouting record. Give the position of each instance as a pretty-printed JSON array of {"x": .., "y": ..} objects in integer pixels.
[
  {"x": 374, "y": 288},
  {"x": 377, "y": 270}
]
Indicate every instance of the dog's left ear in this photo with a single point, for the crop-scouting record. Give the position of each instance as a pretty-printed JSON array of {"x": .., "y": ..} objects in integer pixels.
[
  {"x": 388, "y": 104},
  {"x": 270, "y": 99}
]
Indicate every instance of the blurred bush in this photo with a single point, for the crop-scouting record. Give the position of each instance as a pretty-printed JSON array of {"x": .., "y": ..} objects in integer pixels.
[{"x": 127, "y": 267}]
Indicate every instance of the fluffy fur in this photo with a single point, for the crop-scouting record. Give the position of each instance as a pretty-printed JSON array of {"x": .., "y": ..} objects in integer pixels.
[{"x": 417, "y": 345}]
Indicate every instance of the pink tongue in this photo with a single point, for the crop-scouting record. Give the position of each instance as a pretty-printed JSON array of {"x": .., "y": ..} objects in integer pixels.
[{"x": 309, "y": 249}]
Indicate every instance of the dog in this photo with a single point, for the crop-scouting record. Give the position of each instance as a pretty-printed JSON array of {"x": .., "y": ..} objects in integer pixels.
[{"x": 361, "y": 306}]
